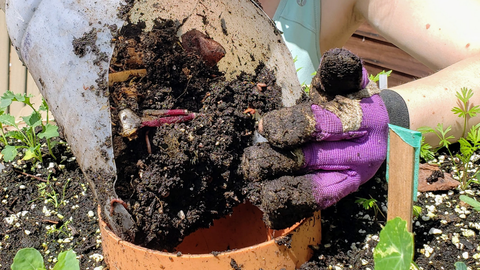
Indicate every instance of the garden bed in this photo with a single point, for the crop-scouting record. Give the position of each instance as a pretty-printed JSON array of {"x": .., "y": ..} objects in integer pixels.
[{"x": 445, "y": 232}]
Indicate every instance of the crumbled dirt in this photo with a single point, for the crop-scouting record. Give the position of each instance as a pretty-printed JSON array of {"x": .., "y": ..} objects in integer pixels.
[
  {"x": 49, "y": 207},
  {"x": 178, "y": 177},
  {"x": 349, "y": 232}
]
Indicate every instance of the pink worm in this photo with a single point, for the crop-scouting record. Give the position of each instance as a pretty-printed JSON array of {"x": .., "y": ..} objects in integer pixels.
[{"x": 169, "y": 120}]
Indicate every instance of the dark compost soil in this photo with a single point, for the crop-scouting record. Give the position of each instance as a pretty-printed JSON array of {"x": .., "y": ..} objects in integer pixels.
[{"x": 178, "y": 177}]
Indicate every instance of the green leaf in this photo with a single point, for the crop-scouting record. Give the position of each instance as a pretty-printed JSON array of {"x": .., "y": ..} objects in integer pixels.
[
  {"x": 460, "y": 266},
  {"x": 417, "y": 210},
  {"x": 7, "y": 99},
  {"x": 8, "y": 120},
  {"x": 49, "y": 132},
  {"x": 472, "y": 202},
  {"x": 33, "y": 120},
  {"x": 473, "y": 111},
  {"x": 15, "y": 134},
  {"x": 44, "y": 106},
  {"x": 67, "y": 260},
  {"x": 465, "y": 147},
  {"x": 457, "y": 110},
  {"x": 395, "y": 249},
  {"x": 425, "y": 129},
  {"x": 9, "y": 153},
  {"x": 30, "y": 153},
  {"x": 28, "y": 259}
]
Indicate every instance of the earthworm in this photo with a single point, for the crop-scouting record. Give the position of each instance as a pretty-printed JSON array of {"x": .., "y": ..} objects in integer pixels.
[
  {"x": 117, "y": 200},
  {"x": 250, "y": 111},
  {"x": 172, "y": 112},
  {"x": 260, "y": 85},
  {"x": 169, "y": 120}
]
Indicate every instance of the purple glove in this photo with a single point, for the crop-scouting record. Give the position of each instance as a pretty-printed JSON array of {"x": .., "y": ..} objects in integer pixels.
[
  {"x": 342, "y": 161},
  {"x": 342, "y": 139}
]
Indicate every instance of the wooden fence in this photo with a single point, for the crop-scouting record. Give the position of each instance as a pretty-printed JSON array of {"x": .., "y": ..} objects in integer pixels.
[
  {"x": 377, "y": 53},
  {"x": 13, "y": 74}
]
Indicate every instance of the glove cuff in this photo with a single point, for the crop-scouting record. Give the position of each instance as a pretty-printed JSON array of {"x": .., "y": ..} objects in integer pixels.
[{"x": 396, "y": 107}]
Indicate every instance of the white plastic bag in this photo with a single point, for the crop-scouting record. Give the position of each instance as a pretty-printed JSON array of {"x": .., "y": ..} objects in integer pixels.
[{"x": 66, "y": 45}]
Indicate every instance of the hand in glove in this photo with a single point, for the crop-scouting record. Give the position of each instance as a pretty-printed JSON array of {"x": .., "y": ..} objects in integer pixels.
[{"x": 321, "y": 150}]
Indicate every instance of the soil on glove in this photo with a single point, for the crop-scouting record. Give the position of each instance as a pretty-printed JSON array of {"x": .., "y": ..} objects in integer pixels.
[{"x": 178, "y": 177}]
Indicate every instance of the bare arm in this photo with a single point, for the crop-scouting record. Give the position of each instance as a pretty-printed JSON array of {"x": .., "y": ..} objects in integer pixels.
[{"x": 445, "y": 36}]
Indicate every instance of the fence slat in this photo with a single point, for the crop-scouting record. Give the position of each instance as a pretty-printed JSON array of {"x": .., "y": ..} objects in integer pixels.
[
  {"x": 13, "y": 74},
  {"x": 4, "y": 54},
  {"x": 17, "y": 80}
]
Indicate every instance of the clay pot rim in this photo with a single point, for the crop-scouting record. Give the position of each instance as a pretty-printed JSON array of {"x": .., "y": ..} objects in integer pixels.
[{"x": 188, "y": 255}]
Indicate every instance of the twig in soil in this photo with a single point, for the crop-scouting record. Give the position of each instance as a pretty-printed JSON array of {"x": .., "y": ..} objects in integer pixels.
[
  {"x": 32, "y": 176},
  {"x": 124, "y": 75},
  {"x": 147, "y": 141},
  {"x": 50, "y": 221}
]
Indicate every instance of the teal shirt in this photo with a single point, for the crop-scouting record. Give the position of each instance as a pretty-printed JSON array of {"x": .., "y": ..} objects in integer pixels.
[{"x": 299, "y": 20}]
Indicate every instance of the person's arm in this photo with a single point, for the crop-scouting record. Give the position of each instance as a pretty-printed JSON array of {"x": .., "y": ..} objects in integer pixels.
[{"x": 445, "y": 36}]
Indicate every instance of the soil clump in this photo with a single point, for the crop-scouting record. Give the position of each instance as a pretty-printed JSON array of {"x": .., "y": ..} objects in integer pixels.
[{"x": 178, "y": 177}]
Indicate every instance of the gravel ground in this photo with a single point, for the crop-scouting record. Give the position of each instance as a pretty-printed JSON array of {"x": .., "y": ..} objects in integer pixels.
[{"x": 50, "y": 208}]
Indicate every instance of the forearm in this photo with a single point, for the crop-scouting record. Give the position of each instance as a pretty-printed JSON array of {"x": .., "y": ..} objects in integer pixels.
[
  {"x": 438, "y": 33},
  {"x": 430, "y": 99}
]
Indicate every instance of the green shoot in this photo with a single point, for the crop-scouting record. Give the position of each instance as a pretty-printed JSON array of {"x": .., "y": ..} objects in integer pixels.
[
  {"x": 368, "y": 204},
  {"x": 376, "y": 78},
  {"x": 465, "y": 112},
  {"x": 27, "y": 136}
]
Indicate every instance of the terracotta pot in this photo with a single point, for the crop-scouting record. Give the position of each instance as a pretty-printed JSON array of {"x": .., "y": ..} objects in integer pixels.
[{"x": 250, "y": 245}]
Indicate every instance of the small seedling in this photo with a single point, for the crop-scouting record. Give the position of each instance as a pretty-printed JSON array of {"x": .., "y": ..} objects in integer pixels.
[
  {"x": 29, "y": 138},
  {"x": 368, "y": 204},
  {"x": 468, "y": 144},
  {"x": 465, "y": 112},
  {"x": 417, "y": 210},
  {"x": 31, "y": 259},
  {"x": 376, "y": 78}
]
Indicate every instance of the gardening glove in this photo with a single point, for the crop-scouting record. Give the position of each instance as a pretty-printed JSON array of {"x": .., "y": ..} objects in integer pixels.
[{"x": 324, "y": 149}]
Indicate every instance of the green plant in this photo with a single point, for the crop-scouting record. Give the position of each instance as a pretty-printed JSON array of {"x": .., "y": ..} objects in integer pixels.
[
  {"x": 31, "y": 259},
  {"x": 30, "y": 140},
  {"x": 464, "y": 111},
  {"x": 426, "y": 151},
  {"x": 47, "y": 192},
  {"x": 468, "y": 144},
  {"x": 395, "y": 249},
  {"x": 368, "y": 204},
  {"x": 471, "y": 201},
  {"x": 376, "y": 78},
  {"x": 417, "y": 210}
]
